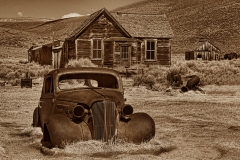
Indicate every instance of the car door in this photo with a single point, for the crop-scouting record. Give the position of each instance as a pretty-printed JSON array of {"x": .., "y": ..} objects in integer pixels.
[{"x": 47, "y": 100}]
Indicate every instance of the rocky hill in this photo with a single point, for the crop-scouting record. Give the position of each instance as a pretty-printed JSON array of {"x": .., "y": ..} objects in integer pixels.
[
  {"x": 24, "y": 19},
  {"x": 61, "y": 28},
  {"x": 190, "y": 20},
  {"x": 217, "y": 21},
  {"x": 27, "y": 33}
]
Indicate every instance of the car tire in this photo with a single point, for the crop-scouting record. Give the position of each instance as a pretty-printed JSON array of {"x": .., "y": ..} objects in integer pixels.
[
  {"x": 36, "y": 120},
  {"x": 192, "y": 82}
]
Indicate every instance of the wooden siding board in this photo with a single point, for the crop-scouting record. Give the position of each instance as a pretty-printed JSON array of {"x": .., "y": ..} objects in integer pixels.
[
  {"x": 46, "y": 56},
  {"x": 164, "y": 62},
  {"x": 139, "y": 52},
  {"x": 164, "y": 52},
  {"x": 143, "y": 52},
  {"x": 35, "y": 55},
  {"x": 117, "y": 57},
  {"x": 98, "y": 30},
  {"x": 71, "y": 50},
  {"x": 108, "y": 53},
  {"x": 64, "y": 57},
  {"x": 83, "y": 48}
]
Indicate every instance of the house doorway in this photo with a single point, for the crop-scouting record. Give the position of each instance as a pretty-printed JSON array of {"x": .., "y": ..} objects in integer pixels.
[{"x": 125, "y": 53}]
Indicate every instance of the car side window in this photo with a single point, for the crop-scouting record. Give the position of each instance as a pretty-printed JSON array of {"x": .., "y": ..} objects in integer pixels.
[{"x": 48, "y": 85}]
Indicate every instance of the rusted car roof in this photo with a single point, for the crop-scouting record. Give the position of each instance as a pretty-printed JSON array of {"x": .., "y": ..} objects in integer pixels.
[{"x": 85, "y": 70}]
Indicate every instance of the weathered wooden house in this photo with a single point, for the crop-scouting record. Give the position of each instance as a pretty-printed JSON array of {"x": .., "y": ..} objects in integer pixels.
[
  {"x": 204, "y": 50},
  {"x": 42, "y": 54},
  {"x": 34, "y": 53},
  {"x": 111, "y": 39}
]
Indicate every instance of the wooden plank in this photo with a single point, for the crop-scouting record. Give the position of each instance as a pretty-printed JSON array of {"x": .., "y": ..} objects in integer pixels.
[
  {"x": 100, "y": 31},
  {"x": 46, "y": 56},
  {"x": 83, "y": 48},
  {"x": 163, "y": 50},
  {"x": 164, "y": 62},
  {"x": 108, "y": 53}
]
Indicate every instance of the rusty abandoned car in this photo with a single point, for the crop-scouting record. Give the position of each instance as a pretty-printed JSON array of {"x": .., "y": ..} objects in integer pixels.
[{"x": 79, "y": 104}]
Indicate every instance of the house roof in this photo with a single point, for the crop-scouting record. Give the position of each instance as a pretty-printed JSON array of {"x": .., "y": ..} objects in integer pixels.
[
  {"x": 78, "y": 31},
  {"x": 204, "y": 45},
  {"x": 36, "y": 48},
  {"x": 145, "y": 25},
  {"x": 131, "y": 25}
]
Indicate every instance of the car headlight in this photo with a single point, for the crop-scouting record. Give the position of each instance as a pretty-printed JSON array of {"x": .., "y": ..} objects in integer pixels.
[
  {"x": 79, "y": 111},
  {"x": 127, "y": 110}
]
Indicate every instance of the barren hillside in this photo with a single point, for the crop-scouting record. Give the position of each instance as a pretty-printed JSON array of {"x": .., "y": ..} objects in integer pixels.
[
  {"x": 215, "y": 20},
  {"x": 61, "y": 27},
  {"x": 190, "y": 20}
]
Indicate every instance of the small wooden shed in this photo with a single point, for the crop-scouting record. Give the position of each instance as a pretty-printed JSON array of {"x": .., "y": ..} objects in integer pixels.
[
  {"x": 34, "y": 53},
  {"x": 206, "y": 51},
  {"x": 42, "y": 54},
  {"x": 189, "y": 55}
]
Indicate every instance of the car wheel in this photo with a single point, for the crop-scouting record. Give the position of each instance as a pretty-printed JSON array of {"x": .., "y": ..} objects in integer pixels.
[
  {"x": 36, "y": 120},
  {"x": 140, "y": 127}
]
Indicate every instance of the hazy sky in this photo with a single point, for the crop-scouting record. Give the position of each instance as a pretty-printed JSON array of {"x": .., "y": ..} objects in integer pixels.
[{"x": 55, "y": 9}]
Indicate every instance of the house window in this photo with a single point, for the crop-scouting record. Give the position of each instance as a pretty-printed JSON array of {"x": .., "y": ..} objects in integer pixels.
[
  {"x": 150, "y": 50},
  {"x": 97, "y": 49},
  {"x": 124, "y": 52}
]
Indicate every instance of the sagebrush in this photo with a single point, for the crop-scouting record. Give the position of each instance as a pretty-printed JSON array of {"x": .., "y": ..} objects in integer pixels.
[
  {"x": 12, "y": 71},
  {"x": 224, "y": 72},
  {"x": 81, "y": 62}
]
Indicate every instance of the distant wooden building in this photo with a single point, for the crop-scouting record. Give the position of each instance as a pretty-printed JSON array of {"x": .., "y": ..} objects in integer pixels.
[
  {"x": 111, "y": 39},
  {"x": 34, "y": 53},
  {"x": 204, "y": 50},
  {"x": 43, "y": 54}
]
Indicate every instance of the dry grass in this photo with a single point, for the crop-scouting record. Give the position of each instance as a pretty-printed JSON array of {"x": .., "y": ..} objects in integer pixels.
[
  {"x": 188, "y": 126},
  {"x": 222, "y": 72},
  {"x": 98, "y": 149},
  {"x": 81, "y": 62},
  {"x": 13, "y": 70}
]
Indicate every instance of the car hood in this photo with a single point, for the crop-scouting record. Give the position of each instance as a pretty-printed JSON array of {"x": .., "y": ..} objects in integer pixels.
[{"x": 88, "y": 96}]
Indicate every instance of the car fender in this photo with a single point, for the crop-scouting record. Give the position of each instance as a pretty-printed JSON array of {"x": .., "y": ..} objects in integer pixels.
[
  {"x": 61, "y": 129},
  {"x": 138, "y": 128},
  {"x": 36, "y": 120}
]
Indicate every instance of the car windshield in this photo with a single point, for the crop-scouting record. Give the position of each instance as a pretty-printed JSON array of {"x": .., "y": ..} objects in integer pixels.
[{"x": 87, "y": 80}]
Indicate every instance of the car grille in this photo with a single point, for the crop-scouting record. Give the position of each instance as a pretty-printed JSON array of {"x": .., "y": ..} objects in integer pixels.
[{"x": 104, "y": 120}]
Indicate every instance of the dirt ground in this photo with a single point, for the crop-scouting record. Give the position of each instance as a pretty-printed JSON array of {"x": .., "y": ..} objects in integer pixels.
[{"x": 196, "y": 125}]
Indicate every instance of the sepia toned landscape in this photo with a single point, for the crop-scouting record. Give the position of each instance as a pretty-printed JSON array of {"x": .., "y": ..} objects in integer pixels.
[{"x": 189, "y": 125}]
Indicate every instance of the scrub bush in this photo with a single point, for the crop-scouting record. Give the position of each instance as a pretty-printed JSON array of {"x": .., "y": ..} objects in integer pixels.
[
  {"x": 13, "y": 70},
  {"x": 223, "y": 72},
  {"x": 81, "y": 62}
]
